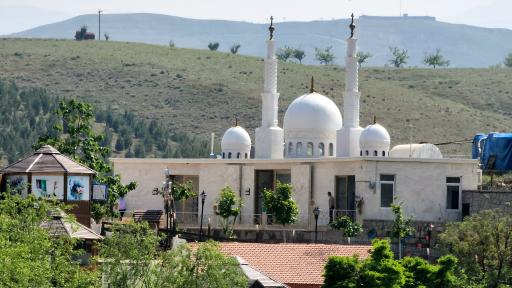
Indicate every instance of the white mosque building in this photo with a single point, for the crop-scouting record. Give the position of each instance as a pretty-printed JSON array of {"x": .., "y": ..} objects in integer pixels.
[{"x": 317, "y": 151}]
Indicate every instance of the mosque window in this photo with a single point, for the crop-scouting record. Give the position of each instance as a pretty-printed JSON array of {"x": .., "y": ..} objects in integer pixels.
[
  {"x": 361, "y": 153},
  {"x": 383, "y": 153},
  {"x": 238, "y": 155},
  {"x": 298, "y": 150},
  {"x": 245, "y": 155},
  {"x": 229, "y": 155},
  {"x": 331, "y": 149},
  {"x": 290, "y": 148},
  {"x": 321, "y": 149},
  {"x": 223, "y": 155},
  {"x": 366, "y": 152},
  {"x": 375, "y": 153},
  {"x": 452, "y": 193},
  {"x": 310, "y": 149},
  {"x": 387, "y": 190}
]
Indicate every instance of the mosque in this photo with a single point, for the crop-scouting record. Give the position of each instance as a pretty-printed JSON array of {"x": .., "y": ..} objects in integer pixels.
[{"x": 317, "y": 151}]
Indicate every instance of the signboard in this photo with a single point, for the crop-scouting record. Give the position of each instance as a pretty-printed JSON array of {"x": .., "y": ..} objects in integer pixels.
[
  {"x": 47, "y": 186},
  {"x": 99, "y": 192},
  {"x": 78, "y": 188}
]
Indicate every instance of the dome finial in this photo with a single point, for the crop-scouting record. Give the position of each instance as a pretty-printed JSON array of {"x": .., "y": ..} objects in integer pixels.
[
  {"x": 374, "y": 119},
  {"x": 236, "y": 121},
  {"x": 312, "y": 86},
  {"x": 271, "y": 27},
  {"x": 352, "y": 26}
]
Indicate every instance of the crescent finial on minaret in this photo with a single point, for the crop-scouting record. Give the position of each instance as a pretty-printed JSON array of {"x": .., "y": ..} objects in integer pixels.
[
  {"x": 271, "y": 27},
  {"x": 312, "y": 87},
  {"x": 352, "y": 26}
]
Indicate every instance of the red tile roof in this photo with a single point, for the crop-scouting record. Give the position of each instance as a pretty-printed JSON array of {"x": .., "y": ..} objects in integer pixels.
[{"x": 299, "y": 264}]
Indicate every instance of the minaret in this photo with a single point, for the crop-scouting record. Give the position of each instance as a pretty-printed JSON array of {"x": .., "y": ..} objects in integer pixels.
[
  {"x": 270, "y": 137},
  {"x": 347, "y": 138}
]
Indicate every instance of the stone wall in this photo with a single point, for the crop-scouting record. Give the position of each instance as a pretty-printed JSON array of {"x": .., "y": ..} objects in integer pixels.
[{"x": 479, "y": 200}]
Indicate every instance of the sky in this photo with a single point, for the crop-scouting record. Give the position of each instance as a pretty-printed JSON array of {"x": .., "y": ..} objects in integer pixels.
[{"x": 18, "y": 15}]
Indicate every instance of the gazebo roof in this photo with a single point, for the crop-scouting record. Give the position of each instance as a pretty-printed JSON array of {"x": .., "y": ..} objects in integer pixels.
[
  {"x": 47, "y": 160},
  {"x": 59, "y": 225}
]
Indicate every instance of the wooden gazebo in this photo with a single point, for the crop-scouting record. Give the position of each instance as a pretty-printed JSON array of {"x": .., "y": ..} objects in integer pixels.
[{"x": 49, "y": 174}]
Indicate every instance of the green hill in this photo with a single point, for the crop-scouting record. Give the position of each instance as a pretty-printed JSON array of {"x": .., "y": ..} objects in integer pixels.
[{"x": 201, "y": 91}]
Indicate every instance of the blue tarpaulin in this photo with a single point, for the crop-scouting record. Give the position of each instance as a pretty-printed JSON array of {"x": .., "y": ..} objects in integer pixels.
[{"x": 496, "y": 153}]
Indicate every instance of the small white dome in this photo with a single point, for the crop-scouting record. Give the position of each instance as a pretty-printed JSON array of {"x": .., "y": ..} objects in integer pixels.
[
  {"x": 425, "y": 150},
  {"x": 374, "y": 141},
  {"x": 236, "y": 138},
  {"x": 312, "y": 111}
]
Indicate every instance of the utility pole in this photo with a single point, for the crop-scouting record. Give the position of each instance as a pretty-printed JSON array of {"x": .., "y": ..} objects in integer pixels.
[{"x": 99, "y": 24}]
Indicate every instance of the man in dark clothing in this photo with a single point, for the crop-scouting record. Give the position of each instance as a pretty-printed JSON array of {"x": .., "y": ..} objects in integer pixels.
[{"x": 331, "y": 207}]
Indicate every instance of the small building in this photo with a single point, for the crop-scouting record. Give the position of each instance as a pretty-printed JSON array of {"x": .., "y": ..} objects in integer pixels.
[{"x": 49, "y": 174}]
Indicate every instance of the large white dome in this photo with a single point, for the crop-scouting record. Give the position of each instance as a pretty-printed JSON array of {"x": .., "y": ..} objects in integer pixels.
[
  {"x": 236, "y": 143},
  {"x": 374, "y": 141},
  {"x": 312, "y": 111}
]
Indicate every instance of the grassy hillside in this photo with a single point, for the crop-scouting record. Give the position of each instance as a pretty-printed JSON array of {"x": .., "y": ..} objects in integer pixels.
[
  {"x": 463, "y": 45},
  {"x": 201, "y": 91}
]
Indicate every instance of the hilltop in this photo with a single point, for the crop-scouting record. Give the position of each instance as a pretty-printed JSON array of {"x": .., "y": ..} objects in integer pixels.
[
  {"x": 463, "y": 45},
  {"x": 200, "y": 92}
]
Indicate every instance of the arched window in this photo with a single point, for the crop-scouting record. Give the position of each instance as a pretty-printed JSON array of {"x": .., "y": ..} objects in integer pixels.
[
  {"x": 361, "y": 153},
  {"x": 383, "y": 153},
  {"x": 321, "y": 149},
  {"x": 331, "y": 149},
  {"x": 245, "y": 155},
  {"x": 229, "y": 155},
  {"x": 310, "y": 149},
  {"x": 366, "y": 152},
  {"x": 238, "y": 155},
  {"x": 298, "y": 150},
  {"x": 290, "y": 148},
  {"x": 375, "y": 153},
  {"x": 223, "y": 155}
]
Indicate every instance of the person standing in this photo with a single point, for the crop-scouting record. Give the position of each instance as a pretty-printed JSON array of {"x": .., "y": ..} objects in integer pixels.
[
  {"x": 331, "y": 206},
  {"x": 122, "y": 207}
]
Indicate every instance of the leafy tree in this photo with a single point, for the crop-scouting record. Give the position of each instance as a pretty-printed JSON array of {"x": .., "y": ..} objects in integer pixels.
[
  {"x": 401, "y": 226},
  {"x": 171, "y": 44},
  {"x": 139, "y": 151},
  {"x": 183, "y": 191},
  {"x": 280, "y": 204},
  {"x": 342, "y": 272},
  {"x": 107, "y": 36},
  {"x": 325, "y": 56},
  {"x": 283, "y": 54},
  {"x": 436, "y": 60},
  {"x": 398, "y": 57},
  {"x": 213, "y": 46},
  {"x": 483, "y": 244},
  {"x": 349, "y": 227},
  {"x": 234, "y": 48},
  {"x": 508, "y": 60},
  {"x": 228, "y": 206},
  {"x": 299, "y": 55},
  {"x": 29, "y": 256},
  {"x": 362, "y": 57},
  {"x": 119, "y": 144},
  {"x": 75, "y": 137}
]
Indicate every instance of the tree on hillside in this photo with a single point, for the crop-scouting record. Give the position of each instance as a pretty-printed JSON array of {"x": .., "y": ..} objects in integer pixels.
[
  {"x": 75, "y": 137},
  {"x": 401, "y": 226},
  {"x": 107, "y": 36},
  {"x": 362, "y": 57},
  {"x": 234, "y": 48},
  {"x": 436, "y": 60},
  {"x": 213, "y": 46},
  {"x": 299, "y": 55},
  {"x": 508, "y": 60},
  {"x": 349, "y": 227},
  {"x": 280, "y": 204},
  {"x": 283, "y": 54},
  {"x": 398, "y": 57},
  {"x": 483, "y": 244},
  {"x": 228, "y": 205},
  {"x": 324, "y": 56}
]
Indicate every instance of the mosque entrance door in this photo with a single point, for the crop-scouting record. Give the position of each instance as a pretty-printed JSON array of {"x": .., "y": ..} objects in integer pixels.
[
  {"x": 345, "y": 196},
  {"x": 266, "y": 179}
]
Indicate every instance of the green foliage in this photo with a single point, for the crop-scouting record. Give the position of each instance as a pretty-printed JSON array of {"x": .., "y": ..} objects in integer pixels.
[
  {"x": 229, "y": 205},
  {"x": 280, "y": 204},
  {"x": 131, "y": 259},
  {"x": 234, "y": 48},
  {"x": 483, "y": 244},
  {"x": 349, "y": 227},
  {"x": 436, "y": 60},
  {"x": 75, "y": 137},
  {"x": 398, "y": 56},
  {"x": 508, "y": 60},
  {"x": 283, "y": 54},
  {"x": 213, "y": 46},
  {"x": 183, "y": 191},
  {"x": 29, "y": 257},
  {"x": 299, "y": 55},
  {"x": 362, "y": 57},
  {"x": 381, "y": 270},
  {"x": 401, "y": 226},
  {"x": 325, "y": 56},
  {"x": 107, "y": 36}
]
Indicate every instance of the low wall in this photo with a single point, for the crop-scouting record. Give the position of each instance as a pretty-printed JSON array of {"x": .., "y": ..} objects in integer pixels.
[{"x": 474, "y": 201}]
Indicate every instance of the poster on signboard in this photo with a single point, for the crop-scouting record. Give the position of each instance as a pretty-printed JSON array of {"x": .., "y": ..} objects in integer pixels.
[
  {"x": 78, "y": 188},
  {"x": 18, "y": 184},
  {"x": 99, "y": 192},
  {"x": 47, "y": 186}
]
